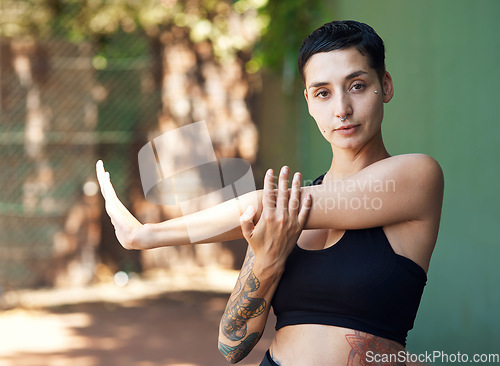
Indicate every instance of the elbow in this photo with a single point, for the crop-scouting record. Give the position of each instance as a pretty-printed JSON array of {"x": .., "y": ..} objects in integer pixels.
[
  {"x": 229, "y": 354},
  {"x": 236, "y": 353},
  {"x": 232, "y": 354}
]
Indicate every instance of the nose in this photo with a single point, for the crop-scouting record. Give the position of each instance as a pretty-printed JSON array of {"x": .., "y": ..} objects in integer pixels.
[{"x": 342, "y": 106}]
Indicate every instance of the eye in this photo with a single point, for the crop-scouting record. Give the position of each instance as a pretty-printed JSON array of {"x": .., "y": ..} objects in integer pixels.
[
  {"x": 322, "y": 94},
  {"x": 358, "y": 86}
]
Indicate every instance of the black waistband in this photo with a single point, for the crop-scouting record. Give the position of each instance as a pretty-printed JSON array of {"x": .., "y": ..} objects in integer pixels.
[{"x": 268, "y": 361}]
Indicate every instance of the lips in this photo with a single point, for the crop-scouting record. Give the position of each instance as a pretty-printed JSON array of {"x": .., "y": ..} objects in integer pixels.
[{"x": 347, "y": 129}]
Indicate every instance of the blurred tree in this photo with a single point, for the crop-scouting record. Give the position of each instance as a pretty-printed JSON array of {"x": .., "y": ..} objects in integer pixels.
[
  {"x": 154, "y": 65},
  {"x": 207, "y": 20},
  {"x": 292, "y": 21}
]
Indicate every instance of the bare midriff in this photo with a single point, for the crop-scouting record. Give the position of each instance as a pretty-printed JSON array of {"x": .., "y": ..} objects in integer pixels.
[{"x": 312, "y": 345}]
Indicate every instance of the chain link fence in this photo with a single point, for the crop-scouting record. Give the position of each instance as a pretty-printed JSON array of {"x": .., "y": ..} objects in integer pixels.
[
  {"x": 63, "y": 105},
  {"x": 69, "y": 97}
]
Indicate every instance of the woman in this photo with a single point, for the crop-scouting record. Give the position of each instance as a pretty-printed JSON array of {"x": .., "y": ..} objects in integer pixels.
[{"x": 353, "y": 279}]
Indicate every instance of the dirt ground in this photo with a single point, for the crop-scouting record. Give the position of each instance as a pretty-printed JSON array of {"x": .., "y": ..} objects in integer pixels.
[{"x": 167, "y": 321}]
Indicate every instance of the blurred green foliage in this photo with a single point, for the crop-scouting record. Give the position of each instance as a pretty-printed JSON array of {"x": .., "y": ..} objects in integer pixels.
[
  {"x": 292, "y": 21},
  {"x": 274, "y": 28}
]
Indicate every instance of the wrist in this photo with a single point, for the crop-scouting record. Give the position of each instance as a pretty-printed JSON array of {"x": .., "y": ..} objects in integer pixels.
[
  {"x": 138, "y": 237},
  {"x": 266, "y": 269}
]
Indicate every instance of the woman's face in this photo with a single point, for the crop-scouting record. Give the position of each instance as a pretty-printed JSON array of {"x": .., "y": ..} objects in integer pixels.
[{"x": 341, "y": 84}]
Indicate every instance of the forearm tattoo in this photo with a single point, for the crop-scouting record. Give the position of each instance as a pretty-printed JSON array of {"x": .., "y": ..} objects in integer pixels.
[
  {"x": 242, "y": 307},
  {"x": 239, "y": 352}
]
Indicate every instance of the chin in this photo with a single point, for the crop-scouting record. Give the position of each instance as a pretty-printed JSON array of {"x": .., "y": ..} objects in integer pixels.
[{"x": 347, "y": 145}]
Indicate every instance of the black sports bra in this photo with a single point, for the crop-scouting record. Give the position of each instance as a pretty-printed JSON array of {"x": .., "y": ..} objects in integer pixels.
[{"x": 358, "y": 283}]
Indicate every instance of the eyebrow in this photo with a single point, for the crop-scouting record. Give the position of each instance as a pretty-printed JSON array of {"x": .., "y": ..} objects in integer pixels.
[
  {"x": 318, "y": 84},
  {"x": 353, "y": 75}
]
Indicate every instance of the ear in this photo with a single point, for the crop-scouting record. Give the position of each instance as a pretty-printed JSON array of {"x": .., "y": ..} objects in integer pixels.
[
  {"x": 307, "y": 100},
  {"x": 388, "y": 87}
]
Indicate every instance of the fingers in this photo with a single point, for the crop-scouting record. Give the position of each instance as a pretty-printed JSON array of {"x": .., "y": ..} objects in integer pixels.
[
  {"x": 108, "y": 192},
  {"x": 293, "y": 206},
  {"x": 246, "y": 221},
  {"x": 282, "y": 201},
  {"x": 268, "y": 197},
  {"x": 304, "y": 210},
  {"x": 101, "y": 176}
]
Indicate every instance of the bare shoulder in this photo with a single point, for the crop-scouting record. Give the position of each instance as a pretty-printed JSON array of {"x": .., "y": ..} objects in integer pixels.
[
  {"x": 421, "y": 160},
  {"x": 416, "y": 161},
  {"x": 426, "y": 170},
  {"x": 422, "y": 183},
  {"x": 421, "y": 169},
  {"x": 418, "y": 179}
]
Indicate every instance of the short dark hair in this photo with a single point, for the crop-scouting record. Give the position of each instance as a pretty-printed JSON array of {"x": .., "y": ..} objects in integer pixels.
[{"x": 344, "y": 34}]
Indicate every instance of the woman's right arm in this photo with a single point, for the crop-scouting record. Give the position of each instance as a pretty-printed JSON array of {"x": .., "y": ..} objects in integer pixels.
[
  {"x": 270, "y": 242},
  {"x": 246, "y": 312}
]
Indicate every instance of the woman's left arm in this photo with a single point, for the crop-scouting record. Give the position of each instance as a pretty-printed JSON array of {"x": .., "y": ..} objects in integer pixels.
[{"x": 397, "y": 189}]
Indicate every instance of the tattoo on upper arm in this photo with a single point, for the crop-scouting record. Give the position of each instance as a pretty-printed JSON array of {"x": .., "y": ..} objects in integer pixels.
[{"x": 242, "y": 307}]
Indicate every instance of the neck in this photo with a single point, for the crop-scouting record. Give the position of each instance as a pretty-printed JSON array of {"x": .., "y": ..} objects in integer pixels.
[{"x": 346, "y": 162}]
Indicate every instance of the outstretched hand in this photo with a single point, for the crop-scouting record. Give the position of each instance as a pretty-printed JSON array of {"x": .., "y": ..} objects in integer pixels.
[
  {"x": 273, "y": 237},
  {"x": 126, "y": 225}
]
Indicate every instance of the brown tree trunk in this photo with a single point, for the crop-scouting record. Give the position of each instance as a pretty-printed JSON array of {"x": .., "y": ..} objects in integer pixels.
[{"x": 197, "y": 86}]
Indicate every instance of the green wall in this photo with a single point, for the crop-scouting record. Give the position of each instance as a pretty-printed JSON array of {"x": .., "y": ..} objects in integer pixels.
[{"x": 444, "y": 56}]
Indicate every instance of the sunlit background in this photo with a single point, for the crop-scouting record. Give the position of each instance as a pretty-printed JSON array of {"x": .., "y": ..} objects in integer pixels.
[{"x": 96, "y": 79}]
